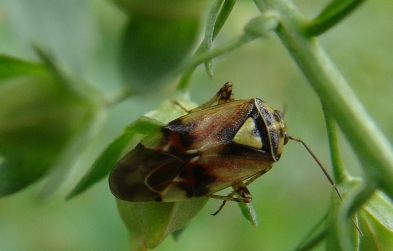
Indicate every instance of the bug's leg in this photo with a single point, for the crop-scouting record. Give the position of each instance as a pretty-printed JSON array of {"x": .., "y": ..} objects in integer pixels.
[
  {"x": 241, "y": 189},
  {"x": 220, "y": 208},
  {"x": 223, "y": 203},
  {"x": 180, "y": 105},
  {"x": 256, "y": 176},
  {"x": 222, "y": 96}
]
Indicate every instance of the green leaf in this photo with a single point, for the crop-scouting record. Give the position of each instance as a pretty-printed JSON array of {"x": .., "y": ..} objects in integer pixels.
[
  {"x": 12, "y": 67},
  {"x": 149, "y": 223},
  {"x": 178, "y": 233},
  {"x": 375, "y": 219},
  {"x": 249, "y": 213},
  {"x": 222, "y": 17},
  {"x": 54, "y": 25},
  {"x": 334, "y": 237},
  {"x": 374, "y": 216},
  {"x": 144, "y": 125},
  {"x": 44, "y": 122},
  {"x": 101, "y": 167},
  {"x": 165, "y": 9},
  {"x": 332, "y": 14},
  {"x": 152, "y": 49},
  {"x": 216, "y": 19},
  {"x": 209, "y": 33}
]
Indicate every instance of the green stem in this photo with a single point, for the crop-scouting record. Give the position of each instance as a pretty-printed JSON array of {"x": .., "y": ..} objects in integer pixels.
[
  {"x": 339, "y": 172},
  {"x": 117, "y": 96},
  {"x": 307, "y": 243},
  {"x": 315, "y": 241},
  {"x": 184, "y": 81},
  {"x": 370, "y": 145},
  {"x": 355, "y": 199},
  {"x": 217, "y": 51}
]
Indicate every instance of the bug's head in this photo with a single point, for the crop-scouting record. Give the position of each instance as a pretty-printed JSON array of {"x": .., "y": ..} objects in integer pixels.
[
  {"x": 280, "y": 127},
  {"x": 275, "y": 127}
]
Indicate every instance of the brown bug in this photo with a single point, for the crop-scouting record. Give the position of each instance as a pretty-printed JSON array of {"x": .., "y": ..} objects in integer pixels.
[{"x": 215, "y": 146}]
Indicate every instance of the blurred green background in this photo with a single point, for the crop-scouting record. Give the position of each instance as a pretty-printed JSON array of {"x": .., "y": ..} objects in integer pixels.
[{"x": 84, "y": 36}]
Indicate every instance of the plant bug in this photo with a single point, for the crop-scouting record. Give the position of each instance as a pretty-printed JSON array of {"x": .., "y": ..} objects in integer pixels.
[{"x": 222, "y": 143}]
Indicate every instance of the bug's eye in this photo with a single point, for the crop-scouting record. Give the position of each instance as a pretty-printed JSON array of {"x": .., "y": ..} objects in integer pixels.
[
  {"x": 279, "y": 113},
  {"x": 286, "y": 138}
]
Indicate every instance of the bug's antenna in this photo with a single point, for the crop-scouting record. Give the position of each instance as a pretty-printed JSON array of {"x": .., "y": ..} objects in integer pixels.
[
  {"x": 320, "y": 165},
  {"x": 326, "y": 174},
  {"x": 284, "y": 110}
]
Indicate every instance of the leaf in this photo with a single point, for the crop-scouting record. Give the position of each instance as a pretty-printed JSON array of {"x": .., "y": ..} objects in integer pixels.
[
  {"x": 209, "y": 33},
  {"x": 178, "y": 233},
  {"x": 334, "y": 236},
  {"x": 149, "y": 223},
  {"x": 54, "y": 25},
  {"x": 375, "y": 219},
  {"x": 249, "y": 213},
  {"x": 12, "y": 67},
  {"x": 216, "y": 19},
  {"x": 152, "y": 49},
  {"x": 332, "y": 14},
  {"x": 101, "y": 167},
  {"x": 165, "y": 9},
  {"x": 44, "y": 122}
]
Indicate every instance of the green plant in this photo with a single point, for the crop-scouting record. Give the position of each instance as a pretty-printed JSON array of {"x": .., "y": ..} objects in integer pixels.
[{"x": 154, "y": 50}]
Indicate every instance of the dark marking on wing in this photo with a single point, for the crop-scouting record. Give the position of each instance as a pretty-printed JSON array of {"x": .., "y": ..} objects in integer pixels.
[
  {"x": 202, "y": 180},
  {"x": 139, "y": 146},
  {"x": 246, "y": 152},
  {"x": 183, "y": 131},
  {"x": 198, "y": 179},
  {"x": 142, "y": 173},
  {"x": 162, "y": 176},
  {"x": 237, "y": 117}
]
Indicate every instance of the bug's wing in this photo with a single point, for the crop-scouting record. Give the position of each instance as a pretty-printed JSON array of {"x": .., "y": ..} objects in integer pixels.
[
  {"x": 192, "y": 156},
  {"x": 203, "y": 129},
  {"x": 149, "y": 175},
  {"x": 144, "y": 174},
  {"x": 220, "y": 167}
]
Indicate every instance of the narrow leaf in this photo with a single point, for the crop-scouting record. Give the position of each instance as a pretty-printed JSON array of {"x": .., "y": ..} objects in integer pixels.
[
  {"x": 249, "y": 213},
  {"x": 332, "y": 14},
  {"x": 132, "y": 134}
]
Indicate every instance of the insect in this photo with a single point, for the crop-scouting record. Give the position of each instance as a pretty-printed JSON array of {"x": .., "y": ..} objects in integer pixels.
[{"x": 222, "y": 143}]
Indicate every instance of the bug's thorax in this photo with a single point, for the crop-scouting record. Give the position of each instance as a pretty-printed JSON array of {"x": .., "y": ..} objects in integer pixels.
[{"x": 275, "y": 126}]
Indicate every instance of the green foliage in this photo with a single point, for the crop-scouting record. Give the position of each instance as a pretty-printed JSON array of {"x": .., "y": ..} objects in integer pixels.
[
  {"x": 43, "y": 120},
  {"x": 249, "y": 213},
  {"x": 101, "y": 167},
  {"x": 49, "y": 116},
  {"x": 163, "y": 219},
  {"x": 375, "y": 217},
  {"x": 333, "y": 13},
  {"x": 153, "y": 48}
]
